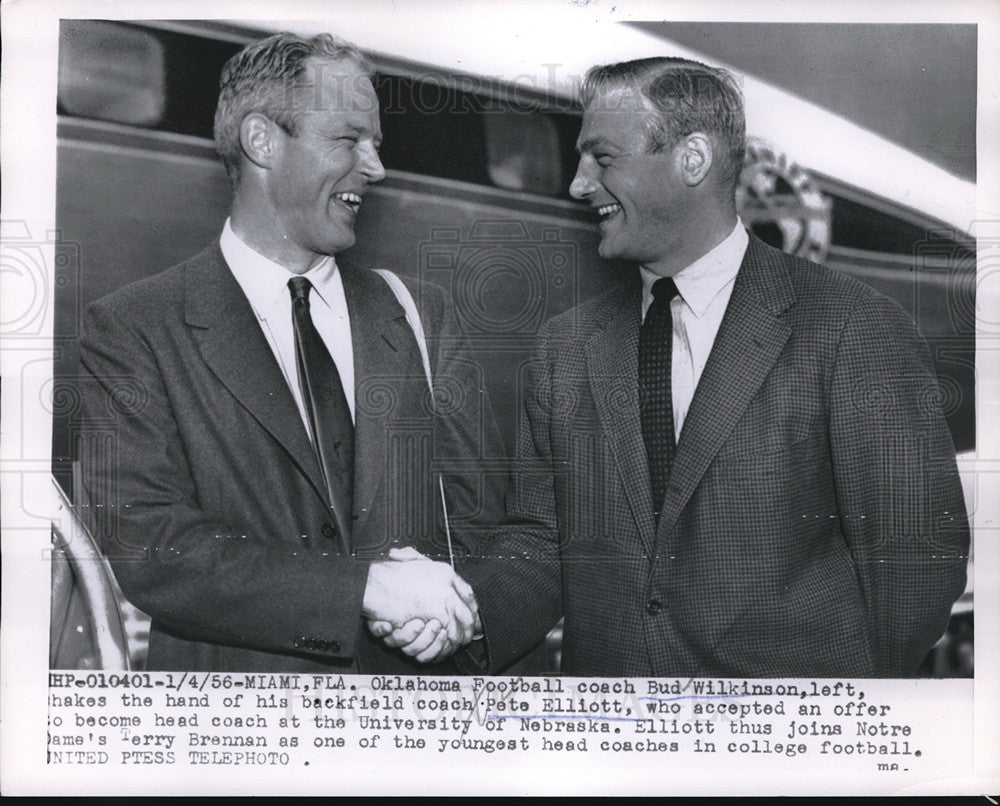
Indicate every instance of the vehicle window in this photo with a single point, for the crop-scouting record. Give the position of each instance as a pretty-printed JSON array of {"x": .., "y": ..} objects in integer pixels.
[
  {"x": 431, "y": 128},
  {"x": 523, "y": 153},
  {"x": 866, "y": 228},
  {"x": 156, "y": 79},
  {"x": 111, "y": 72}
]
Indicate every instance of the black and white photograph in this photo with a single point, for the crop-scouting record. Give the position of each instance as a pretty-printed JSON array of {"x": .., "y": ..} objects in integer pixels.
[{"x": 596, "y": 393}]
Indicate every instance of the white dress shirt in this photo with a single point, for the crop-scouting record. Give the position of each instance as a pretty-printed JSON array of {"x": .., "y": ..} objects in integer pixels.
[
  {"x": 265, "y": 284},
  {"x": 704, "y": 289}
]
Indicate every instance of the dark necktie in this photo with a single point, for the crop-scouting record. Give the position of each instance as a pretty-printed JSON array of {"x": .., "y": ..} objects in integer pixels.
[
  {"x": 655, "y": 404},
  {"x": 326, "y": 408}
]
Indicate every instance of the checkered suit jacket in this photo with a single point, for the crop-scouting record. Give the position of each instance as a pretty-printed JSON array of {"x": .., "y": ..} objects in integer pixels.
[{"x": 813, "y": 524}]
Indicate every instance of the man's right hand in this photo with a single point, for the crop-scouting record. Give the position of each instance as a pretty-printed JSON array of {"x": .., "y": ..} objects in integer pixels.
[
  {"x": 410, "y": 587},
  {"x": 424, "y": 641}
]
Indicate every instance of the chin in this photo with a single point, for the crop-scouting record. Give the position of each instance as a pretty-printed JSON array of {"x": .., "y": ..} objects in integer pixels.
[{"x": 609, "y": 251}]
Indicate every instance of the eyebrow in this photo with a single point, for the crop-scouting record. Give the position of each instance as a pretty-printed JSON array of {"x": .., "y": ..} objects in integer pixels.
[
  {"x": 354, "y": 128},
  {"x": 592, "y": 143}
]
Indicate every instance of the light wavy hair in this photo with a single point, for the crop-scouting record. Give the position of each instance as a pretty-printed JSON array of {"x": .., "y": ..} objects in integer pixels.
[
  {"x": 686, "y": 97},
  {"x": 267, "y": 77}
]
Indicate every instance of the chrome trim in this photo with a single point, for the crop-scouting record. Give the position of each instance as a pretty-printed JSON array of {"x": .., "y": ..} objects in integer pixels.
[{"x": 96, "y": 581}]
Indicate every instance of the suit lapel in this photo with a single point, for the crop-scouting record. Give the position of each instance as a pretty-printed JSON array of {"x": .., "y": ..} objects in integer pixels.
[
  {"x": 233, "y": 345},
  {"x": 613, "y": 369},
  {"x": 749, "y": 341},
  {"x": 383, "y": 358}
]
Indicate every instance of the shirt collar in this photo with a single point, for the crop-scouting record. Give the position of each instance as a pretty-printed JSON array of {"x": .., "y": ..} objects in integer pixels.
[
  {"x": 265, "y": 282},
  {"x": 700, "y": 282}
]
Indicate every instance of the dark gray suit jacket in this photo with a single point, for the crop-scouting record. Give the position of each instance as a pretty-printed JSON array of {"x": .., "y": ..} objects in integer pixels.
[
  {"x": 219, "y": 528},
  {"x": 813, "y": 524}
]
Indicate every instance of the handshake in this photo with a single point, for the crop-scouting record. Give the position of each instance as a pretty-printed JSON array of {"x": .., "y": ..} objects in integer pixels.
[{"x": 420, "y": 606}]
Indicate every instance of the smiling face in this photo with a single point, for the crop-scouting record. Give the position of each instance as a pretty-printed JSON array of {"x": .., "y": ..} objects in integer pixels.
[
  {"x": 640, "y": 197},
  {"x": 317, "y": 177}
]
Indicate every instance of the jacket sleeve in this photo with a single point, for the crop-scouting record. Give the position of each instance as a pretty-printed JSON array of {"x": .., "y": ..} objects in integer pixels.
[
  {"x": 516, "y": 571},
  {"x": 470, "y": 463},
  {"x": 898, "y": 490},
  {"x": 200, "y": 577}
]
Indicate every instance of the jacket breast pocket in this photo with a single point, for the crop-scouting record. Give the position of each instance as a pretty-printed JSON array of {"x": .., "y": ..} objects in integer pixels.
[
  {"x": 784, "y": 414},
  {"x": 765, "y": 446}
]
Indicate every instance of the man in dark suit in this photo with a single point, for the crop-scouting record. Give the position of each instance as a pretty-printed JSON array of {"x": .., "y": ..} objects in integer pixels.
[
  {"x": 733, "y": 464},
  {"x": 280, "y": 474}
]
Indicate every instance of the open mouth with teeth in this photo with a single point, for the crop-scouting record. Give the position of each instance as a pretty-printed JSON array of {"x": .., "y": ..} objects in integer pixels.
[
  {"x": 352, "y": 201},
  {"x": 608, "y": 211}
]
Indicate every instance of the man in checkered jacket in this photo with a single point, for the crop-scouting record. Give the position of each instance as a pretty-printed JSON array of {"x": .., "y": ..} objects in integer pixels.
[{"x": 809, "y": 520}]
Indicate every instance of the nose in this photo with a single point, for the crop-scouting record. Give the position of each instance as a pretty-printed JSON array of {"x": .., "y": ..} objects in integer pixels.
[
  {"x": 371, "y": 164},
  {"x": 583, "y": 183}
]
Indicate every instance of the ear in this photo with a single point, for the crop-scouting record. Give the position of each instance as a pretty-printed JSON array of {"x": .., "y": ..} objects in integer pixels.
[
  {"x": 694, "y": 154},
  {"x": 259, "y": 138}
]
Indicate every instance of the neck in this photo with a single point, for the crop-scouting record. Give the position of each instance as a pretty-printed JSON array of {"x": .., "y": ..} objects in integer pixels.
[
  {"x": 697, "y": 237},
  {"x": 257, "y": 229}
]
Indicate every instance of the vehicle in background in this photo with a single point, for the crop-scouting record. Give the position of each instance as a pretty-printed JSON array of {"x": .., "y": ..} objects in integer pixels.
[{"x": 475, "y": 199}]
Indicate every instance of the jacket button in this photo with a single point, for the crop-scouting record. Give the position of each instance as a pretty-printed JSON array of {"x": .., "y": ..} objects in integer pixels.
[
  {"x": 335, "y": 646},
  {"x": 329, "y": 530},
  {"x": 653, "y": 606},
  {"x": 299, "y": 643}
]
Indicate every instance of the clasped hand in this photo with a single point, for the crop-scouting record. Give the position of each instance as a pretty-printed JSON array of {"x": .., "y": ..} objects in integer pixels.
[{"x": 419, "y": 606}]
